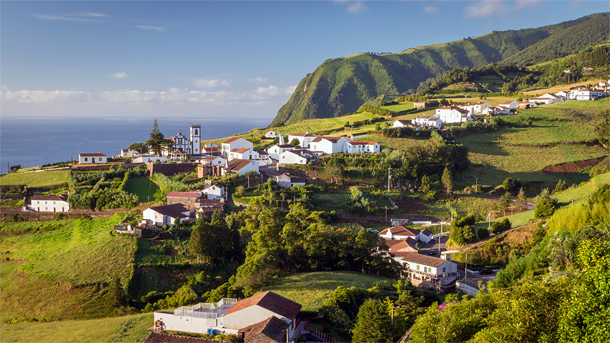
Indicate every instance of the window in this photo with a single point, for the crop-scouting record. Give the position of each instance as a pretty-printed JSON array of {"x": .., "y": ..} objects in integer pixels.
[
  {"x": 85, "y": 159},
  {"x": 100, "y": 159},
  {"x": 418, "y": 267},
  {"x": 444, "y": 270}
]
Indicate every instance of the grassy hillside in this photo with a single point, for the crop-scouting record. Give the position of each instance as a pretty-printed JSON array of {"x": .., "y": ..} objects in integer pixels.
[
  {"x": 36, "y": 179},
  {"x": 127, "y": 329},
  {"x": 341, "y": 85},
  {"x": 559, "y": 134},
  {"x": 310, "y": 289},
  {"x": 61, "y": 269}
]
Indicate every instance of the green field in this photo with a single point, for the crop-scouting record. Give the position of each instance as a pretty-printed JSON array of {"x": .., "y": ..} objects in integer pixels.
[
  {"x": 403, "y": 106},
  {"x": 36, "y": 179},
  {"x": 125, "y": 329},
  {"x": 583, "y": 191},
  {"x": 522, "y": 152},
  {"x": 143, "y": 188},
  {"x": 396, "y": 143},
  {"x": 59, "y": 270},
  {"x": 310, "y": 289}
]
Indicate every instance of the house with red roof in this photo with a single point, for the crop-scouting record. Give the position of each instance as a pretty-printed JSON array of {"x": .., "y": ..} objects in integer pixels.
[
  {"x": 235, "y": 143},
  {"x": 454, "y": 114},
  {"x": 354, "y": 147},
  {"x": 265, "y": 315},
  {"x": 49, "y": 203}
]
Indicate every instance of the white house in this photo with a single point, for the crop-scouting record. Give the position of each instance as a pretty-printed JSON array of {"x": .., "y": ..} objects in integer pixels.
[
  {"x": 276, "y": 150},
  {"x": 329, "y": 145},
  {"x": 403, "y": 123},
  {"x": 290, "y": 181},
  {"x": 564, "y": 94},
  {"x": 232, "y": 316},
  {"x": 262, "y": 157},
  {"x": 298, "y": 156},
  {"x": 92, "y": 158},
  {"x": 211, "y": 149},
  {"x": 354, "y": 147},
  {"x": 49, "y": 203},
  {"x": 235, "y": 143},
  {"x": 239, "y": 166},
  {"x": 401, "y": 233},
  {"x": 128, "y": 153},
  {"x": 477, "y": 107},
  {"x": 213, "y": 161},
  {"x": 272, "y": 134},
  {"x": 243, "y": 154},
  {"x": 150, "y": 158},
  {"x": 454, "y": 114},
  {"x": 421, "y": 268},
  {"x": 214, "y": 191},
  {"x": 304, "y": 139},
  {"x": 512, "y": 104},
  {"x": 167, "y": 214},
  {"x": 540, "y": 101},
  {"x": 429, "y": 121}
]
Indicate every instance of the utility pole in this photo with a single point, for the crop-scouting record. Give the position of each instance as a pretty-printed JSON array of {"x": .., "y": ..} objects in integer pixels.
[
  {"x": 439, "y": 240},
  {"x": 466, "y": 267}
]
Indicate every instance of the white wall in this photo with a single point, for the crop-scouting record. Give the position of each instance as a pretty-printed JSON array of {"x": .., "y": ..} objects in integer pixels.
[
  {"x": 291, "y": 158},
  {"x": 49, "y": 206},
  {"x": 91, "y": 159}
]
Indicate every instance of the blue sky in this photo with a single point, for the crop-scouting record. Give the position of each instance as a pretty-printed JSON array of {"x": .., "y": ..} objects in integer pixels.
[{"x": 218, "y": 59}]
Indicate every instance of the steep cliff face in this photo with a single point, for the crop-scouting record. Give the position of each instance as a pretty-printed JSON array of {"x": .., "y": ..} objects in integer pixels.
[{"x": 341, "y": 85}]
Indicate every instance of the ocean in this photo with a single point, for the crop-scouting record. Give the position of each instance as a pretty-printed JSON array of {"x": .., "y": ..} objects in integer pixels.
[{"x": 34, "y": 142}]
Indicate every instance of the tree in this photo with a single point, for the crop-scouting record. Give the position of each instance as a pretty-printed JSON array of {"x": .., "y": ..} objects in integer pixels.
[
  {"x": 139, "y": 147},
  {"x": 561, "y": 185},
  {"x": 446, "y": 179},
  {"x": 156, "y": 140},
  {"x": 586, "y": 313},
  {"x": 521, "y": 198},
  {"x": 373, "y": 323}
]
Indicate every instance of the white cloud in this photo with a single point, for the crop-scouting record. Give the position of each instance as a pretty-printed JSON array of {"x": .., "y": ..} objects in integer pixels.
[
  {"x": 81, "y": 16},
  {"x": 211, "y": 83},
  {"x": 257, "y": 80},
  {"x": 526, "y": 4},
  {"x": 119, "y": 75},
  {"x": 484, "y": 8},
  {"x": 151, "y": 28},
  {"x": 31, "y": 96},
  {"x": 431, "y": 9},
  {"x": 352, "y": 6}
]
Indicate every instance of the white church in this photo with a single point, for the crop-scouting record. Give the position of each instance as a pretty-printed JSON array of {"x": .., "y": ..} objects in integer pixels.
[{"x": 186, "y": 146}]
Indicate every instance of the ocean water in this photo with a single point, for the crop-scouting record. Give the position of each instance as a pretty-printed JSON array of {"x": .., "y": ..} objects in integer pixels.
[{"x": 32, "y": 142}]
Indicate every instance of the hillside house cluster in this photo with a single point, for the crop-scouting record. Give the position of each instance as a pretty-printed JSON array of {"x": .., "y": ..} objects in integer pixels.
[{"x": 266, "y": 317}]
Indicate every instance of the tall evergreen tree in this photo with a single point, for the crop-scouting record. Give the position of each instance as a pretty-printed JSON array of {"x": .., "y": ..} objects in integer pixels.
[
  {"x": 373, "y": 323},
  {"x": 156, "y": 139},
  {"x": 447, "y": 180}
]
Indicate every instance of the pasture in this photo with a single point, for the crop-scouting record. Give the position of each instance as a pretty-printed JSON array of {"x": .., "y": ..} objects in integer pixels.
[
  {"x": 35, "y": 179},
  {"x": 311, "y": 289}
]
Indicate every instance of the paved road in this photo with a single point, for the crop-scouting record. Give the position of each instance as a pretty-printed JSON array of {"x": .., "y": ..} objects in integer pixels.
[
  {"x": 434, "y": 246},
  {"x": 528, "y": 205}
]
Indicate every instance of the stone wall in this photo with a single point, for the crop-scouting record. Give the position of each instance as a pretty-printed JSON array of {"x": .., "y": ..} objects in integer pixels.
[{"x": 171, "y": 168}]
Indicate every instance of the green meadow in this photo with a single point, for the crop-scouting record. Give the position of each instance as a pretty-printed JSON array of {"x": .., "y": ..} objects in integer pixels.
[
  {"x": 36, "y": 179},
  {"x": 60, "y": 269},
  {"x": 310, "y": 289}
]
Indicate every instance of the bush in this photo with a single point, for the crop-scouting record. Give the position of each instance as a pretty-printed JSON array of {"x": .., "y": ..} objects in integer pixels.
[
  {"x": 500, "y": 226},
  {"x": 545, "y": 207}
]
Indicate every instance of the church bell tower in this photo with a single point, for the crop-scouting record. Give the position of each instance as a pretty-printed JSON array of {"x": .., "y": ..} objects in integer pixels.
[{"x": 196, "y": 138}]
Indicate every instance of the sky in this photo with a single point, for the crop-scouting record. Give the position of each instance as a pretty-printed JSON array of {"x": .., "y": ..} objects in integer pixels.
[{"x": 217, "y": 60}]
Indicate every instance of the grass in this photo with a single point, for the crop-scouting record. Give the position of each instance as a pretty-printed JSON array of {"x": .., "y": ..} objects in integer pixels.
[
  {"x": 522, "y": 152},
  {"x": 125, "y": 329},
  {"x": 36, "y": 179},
  {"x": 143, "y": 188},
  {"x": 395, "y": 143},
  {"x": 332, "y": 201},
  {"x": 311, "y": 289},
  {"x": 60, "y": 269},
  {"x": 402, "y": 106},
  {"x": 583, "y": 191}
]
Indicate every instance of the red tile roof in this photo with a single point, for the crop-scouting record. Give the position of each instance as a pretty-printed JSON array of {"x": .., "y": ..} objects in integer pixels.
[
  {"x": 400, "y": 231},
  {"x": 271, "y": 330},
  {"x": 330, "y": 139},
  {"x": 231, "y": 140},
  {"x": 270, "y": 301},
  {"x": 184, "y": 194},
  {"x": 92, "y": 154},
  {"x": 423, "y": 259},
  {"x": 48, "y": 198},
  {"x": 409, "y": 244},
  {"x": 240, "y": 151},
  {"x": 238, "y": 164},
  {"x": 174, "y": 210}
]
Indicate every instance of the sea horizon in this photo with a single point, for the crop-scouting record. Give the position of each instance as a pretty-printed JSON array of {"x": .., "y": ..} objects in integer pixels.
[{"x": 30, "y": 142}]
